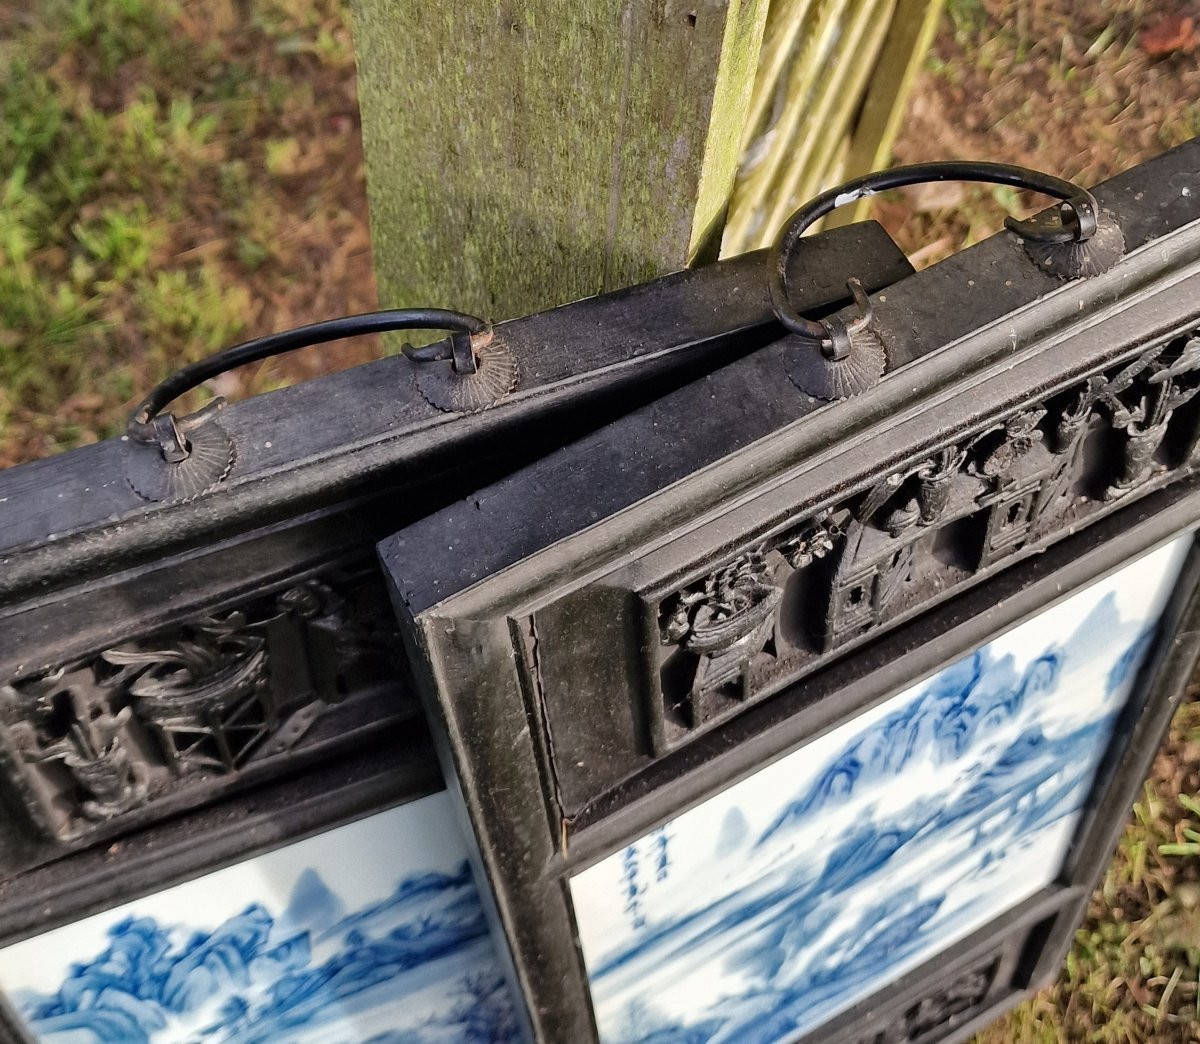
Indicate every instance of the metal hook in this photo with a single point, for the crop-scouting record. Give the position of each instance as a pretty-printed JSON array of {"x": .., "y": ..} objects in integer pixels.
[
  {"x": 1078, "y": 222},
  {"x": 462, "y": 349},
  {"x": 145, "y": 425},
  {"x": 837, "y": 345}
]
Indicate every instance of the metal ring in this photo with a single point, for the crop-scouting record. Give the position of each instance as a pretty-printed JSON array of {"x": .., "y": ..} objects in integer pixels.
[
  {"x": 475, "y": 332},
  {"x": 1078, "y": 215}
]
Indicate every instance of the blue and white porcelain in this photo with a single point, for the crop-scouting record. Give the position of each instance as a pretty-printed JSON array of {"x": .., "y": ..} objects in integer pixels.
[
  {"x": 781, "y": 901},
  {"x": 372, "y": 932}
]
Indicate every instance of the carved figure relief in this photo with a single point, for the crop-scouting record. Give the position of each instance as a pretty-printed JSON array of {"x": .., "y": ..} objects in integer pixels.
[
  {"x": 725, "y": 620},
  {"x": 942, "y": 1010},
  {"x": 1160, "y": 382},
  {"x": 935, "y": 481},
  {"x": 94, "y": 740},
  {"x": 92, "y": 752},
  {"x": 793, "y": 600}
]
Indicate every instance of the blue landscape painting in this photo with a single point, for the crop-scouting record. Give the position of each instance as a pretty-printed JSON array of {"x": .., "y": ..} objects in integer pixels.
[
  {"x": 763, "y": 912},
  {"x": 373, "y": 932}
]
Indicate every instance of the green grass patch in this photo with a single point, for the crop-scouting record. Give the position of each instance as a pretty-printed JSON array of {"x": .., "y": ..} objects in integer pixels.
[{"x": 156, "y": 161}]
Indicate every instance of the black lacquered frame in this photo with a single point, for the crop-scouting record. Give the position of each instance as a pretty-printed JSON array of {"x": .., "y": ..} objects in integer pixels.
[
  {"x": 279, "y": 555},
  {"x": 540, "y": 642},
  {"x": 682, "y": 384},
  {"x": 91, "y": 571},
  {"x": 1024, "y": 946}
]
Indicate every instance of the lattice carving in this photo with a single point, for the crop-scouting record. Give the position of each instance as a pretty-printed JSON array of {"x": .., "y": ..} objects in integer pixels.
[
  {"x": 941, "y": 1011},
  {"x": 93, "y": 740}
]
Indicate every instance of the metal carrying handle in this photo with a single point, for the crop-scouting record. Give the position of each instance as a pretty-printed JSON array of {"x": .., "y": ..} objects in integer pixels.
[
  {"x": 470, "y": 334},
  {"x": 1078, "y": 216}
]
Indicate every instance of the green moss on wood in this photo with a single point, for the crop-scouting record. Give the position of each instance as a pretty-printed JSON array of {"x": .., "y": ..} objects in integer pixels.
[
  {"x": 524, "y": 155},
  {"x": 731, "y": 99}
]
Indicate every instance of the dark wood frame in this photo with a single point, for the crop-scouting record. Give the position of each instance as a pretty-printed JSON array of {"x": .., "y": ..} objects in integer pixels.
[
  {"x": 326, "y": 470},
  {"x": 557, "y": 565},
  {"x": 1028, "y": 942},
  {"x": 528, "y": 841},
  {"x": 323, "y": 471}
]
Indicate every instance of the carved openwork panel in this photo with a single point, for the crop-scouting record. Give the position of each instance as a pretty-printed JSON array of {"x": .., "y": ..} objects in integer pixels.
[
  {"x": 91, "y": 741},
  {"x": 791, "y": 600},
  {"x": 948, "y": 1006}
]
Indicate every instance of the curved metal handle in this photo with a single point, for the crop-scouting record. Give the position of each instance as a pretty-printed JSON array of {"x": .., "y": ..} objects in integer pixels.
[
  {"x": 1078, "y": 215},
  {"x": 471, "y": 334}
]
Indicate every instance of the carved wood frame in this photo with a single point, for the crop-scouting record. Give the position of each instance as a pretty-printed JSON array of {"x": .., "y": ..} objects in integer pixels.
[
  {"x": 90, "y": 572},
  {"x": 520, "y": 649},
  {"x": 527, "y": 858}
]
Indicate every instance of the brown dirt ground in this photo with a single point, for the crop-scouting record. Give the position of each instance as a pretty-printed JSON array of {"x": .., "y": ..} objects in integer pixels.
[{"x": 1062, "y": 87}]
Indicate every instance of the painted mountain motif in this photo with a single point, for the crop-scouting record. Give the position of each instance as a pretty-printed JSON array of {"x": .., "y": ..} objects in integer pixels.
[
  {"x": 779, "y": 902},
  {"x": 370, "y": 932}
]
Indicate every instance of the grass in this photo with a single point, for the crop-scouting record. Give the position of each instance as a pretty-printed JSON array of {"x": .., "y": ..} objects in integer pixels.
[
  {"x": 174, "y": 176},
  {"x": 1134, "y": 973},
  {"x": 1066, "y": 88},
  {"x": 169, "y": 183}
]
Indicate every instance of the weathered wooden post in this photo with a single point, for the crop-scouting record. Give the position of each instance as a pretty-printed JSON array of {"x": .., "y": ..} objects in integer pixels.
[{"x": 525, "y": 155}]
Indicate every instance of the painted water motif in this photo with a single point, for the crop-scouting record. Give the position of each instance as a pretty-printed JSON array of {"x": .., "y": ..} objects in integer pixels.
[
  {"x": 372, "y": 932},
  {"x": 774, "y": 905}
]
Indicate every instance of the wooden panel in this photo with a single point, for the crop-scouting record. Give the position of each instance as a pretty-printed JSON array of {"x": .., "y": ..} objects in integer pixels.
[
  {"x": 525, "y": 155},
  {"x": 908, "y": 42},
  {"x": 832, "y": 86}
]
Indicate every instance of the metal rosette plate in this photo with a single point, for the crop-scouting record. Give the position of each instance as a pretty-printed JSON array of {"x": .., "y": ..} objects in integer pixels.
[
  {"x": 1080, "y": 260},
  {"x": 210, "y": 458},
  {"x": 814, "y": 373},
  {"x": 496, "y": 376}
]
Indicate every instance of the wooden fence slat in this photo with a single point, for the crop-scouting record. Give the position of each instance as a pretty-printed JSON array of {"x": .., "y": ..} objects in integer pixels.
[
  {"x": 832, "y": 86},
  {"x": 904, "y": 52},
  {"x": 852, "y": 78},
  {"x": 781, "y": 39},
  {"x": 759, "y": 175},
  {"x": 868, "y": 18}
]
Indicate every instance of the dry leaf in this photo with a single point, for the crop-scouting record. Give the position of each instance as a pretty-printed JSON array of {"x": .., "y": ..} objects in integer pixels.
[
  {"x": 1169, "y": 34},
  {"x": 891, "y": 214}
]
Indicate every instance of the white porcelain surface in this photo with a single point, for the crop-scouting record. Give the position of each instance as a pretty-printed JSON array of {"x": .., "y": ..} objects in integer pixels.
[
  {"x": 781, "y": 901},
  {"x": 372, "y": 932}
]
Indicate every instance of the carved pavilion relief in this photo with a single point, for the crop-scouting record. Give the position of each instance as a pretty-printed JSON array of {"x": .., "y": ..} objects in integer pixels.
[
  {"x": 944, "y": 1009},
  {"x": 792, "y": 600},
  {"x": 94, "y": 740}
]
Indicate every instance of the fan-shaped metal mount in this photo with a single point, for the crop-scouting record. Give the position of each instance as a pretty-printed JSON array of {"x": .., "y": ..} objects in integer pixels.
[
  {"x": 495, "y": 377},
  {"x": 1076, "y": 260},
  {"x": 823, "y": 376},
  {"x": 191, "y": 456}
]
